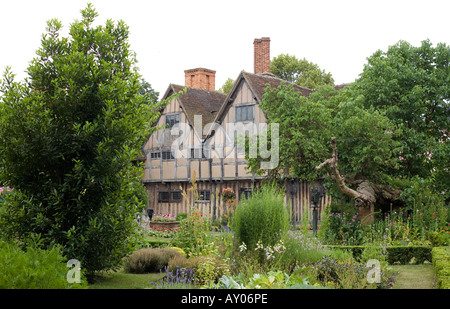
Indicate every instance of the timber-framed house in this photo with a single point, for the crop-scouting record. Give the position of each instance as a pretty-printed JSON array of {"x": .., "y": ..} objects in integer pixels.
[{"x": 199, "y": 140}]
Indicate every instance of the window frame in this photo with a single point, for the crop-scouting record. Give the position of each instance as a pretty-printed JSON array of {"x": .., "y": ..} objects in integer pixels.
[
  {"x": 170, "y": 196},
  {"x": 166, "y": 153},
  {"x": 160, "y": 200},
  {"x": 241, "y": 107},
  {"x": 206, "y": 194},
  {"x": 169, "y": 123},
  {"x": 246, "y": 192},
  {"x": 155, "y": 155}
]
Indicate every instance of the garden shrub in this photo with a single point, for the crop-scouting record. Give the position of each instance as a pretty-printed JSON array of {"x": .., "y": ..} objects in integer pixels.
[
  {"x": 441, "y": 265},
  {"x": 180, "y": 261},
  {"x": 179, "y": 250},
  {"x": 180, "y": 216},
  {"x": 345, "y": 275},
  {"x": 438, "y": 239},
  {"x": 261, "y": 218},
  {"x": 210, "y": 269},
  {"x": 270, "y": 280},
  {"x": 34, "y": 268},
  {"x": 301, "y": 249},
  {"x": 149, "y": 260},
  {"x": 192, "y": 232},
  {"x": 206, "y": 268},
  {"x": 341, "y": 227}
]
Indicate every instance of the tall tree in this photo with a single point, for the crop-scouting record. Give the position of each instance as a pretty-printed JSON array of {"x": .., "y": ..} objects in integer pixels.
[
  {"x": 364, "y": 137},
  {"x": 300, "y": 71},
  {"x": 411, "y": 85},
  {"x": 227, "y": 86},
  {"x": 149, "y": 94},
  {"x": 68, "y": 136}
]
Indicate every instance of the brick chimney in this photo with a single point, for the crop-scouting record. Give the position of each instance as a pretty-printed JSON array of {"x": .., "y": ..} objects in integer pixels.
[
  {"x": 262, "y": 55},
  {"x": 200, "y": 78}
]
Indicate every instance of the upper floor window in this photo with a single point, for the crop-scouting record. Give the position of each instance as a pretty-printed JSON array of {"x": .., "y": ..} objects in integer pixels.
[
  {"x": 155, "y": 155},
  {"x": 198, "y": 153},
  {"x": 167, "y": 155},
  {"x": 244, "y": 113},
  {"x": 172, "y": 120}
]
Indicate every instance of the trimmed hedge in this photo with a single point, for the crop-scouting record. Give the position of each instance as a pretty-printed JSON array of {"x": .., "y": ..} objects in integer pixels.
[
  {"x": 441, "y": 264},
  {"x": 395, "y": 254}
]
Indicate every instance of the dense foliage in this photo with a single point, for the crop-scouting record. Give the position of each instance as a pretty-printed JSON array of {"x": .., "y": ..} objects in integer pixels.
[
  {"x": 411, "y": 86},
  {"x": 68, "y": 137},
  {"x": 34, "y": 268},
  {"x": 300, "y": 71}
]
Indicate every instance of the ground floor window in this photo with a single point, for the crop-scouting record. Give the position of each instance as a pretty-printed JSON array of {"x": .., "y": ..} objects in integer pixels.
[
  {"x": 245, "y": 193},
  {"x": 204, "y": 195},
  {"x": 166, "y": 196}
]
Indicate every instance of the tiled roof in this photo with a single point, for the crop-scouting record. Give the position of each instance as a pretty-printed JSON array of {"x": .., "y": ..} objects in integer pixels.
[
  {"x": 258, "y": 84},
  {"x": 200, "y": 102}
]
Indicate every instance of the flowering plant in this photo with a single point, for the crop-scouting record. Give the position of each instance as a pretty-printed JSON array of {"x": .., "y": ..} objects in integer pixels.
[
  {"x": 228, "y": 194},
  {"x": 4, "y": 189},
  {"x": 163, "y": 218}
]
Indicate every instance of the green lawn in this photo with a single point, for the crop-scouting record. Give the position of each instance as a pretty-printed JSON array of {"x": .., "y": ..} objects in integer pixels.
[
  {"x": 122, "y": 280},
  {"x": 414, "y": 277}
]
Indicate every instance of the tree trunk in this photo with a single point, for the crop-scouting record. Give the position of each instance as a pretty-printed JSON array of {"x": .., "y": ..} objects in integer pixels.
[{"x": 365, "y": 194}]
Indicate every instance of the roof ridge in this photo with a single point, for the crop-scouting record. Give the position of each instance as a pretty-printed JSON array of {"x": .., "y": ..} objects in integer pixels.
[{"x": 273, "y": 76}]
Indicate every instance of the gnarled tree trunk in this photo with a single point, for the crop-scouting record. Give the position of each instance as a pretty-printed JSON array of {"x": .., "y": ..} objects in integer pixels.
[{"x": 366, "y": 193}]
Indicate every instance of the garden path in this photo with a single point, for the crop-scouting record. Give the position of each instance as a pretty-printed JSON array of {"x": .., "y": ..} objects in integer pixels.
[{"x": 414, "y": 277}]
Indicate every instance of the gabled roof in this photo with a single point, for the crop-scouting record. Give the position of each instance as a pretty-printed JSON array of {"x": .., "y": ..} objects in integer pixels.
[
  {"x": 257, "y": 84},
  {"x": 198, "y": 101}
]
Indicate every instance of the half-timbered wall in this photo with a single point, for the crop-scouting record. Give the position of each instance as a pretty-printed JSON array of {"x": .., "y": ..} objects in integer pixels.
[
  {"x": 168, "y": 179},
  {"x": 297, "y": 203}
]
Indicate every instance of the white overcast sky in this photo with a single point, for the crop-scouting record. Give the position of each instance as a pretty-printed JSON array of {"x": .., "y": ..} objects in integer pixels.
[{"x": 172, "y": 36}]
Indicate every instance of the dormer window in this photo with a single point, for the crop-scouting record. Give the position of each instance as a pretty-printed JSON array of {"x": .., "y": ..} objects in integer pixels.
[{"x": 172, "y": 120}]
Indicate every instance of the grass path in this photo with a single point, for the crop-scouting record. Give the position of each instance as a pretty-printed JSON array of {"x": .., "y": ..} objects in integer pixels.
[
  {"x": 414, "y": 277},
  {"x": 122, "y": 280}
]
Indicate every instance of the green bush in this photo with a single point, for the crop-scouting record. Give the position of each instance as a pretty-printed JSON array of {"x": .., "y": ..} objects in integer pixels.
[
  {"x": 341, "y": 227},
  {"x": 192, "y": 233},
  {"x": 207, "y": 268},
  {"x": 301, "y": 249},
  {"x": 149, "y": 260},
  {"x": 81, "y": 189},
  {"x": 348, "y": 274},
  {"x": 181, "y": 216},
  {"x": 34, "y": 268},
  {"x": 441, "y": 264},
  {"x": 261, "y": 218}
]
